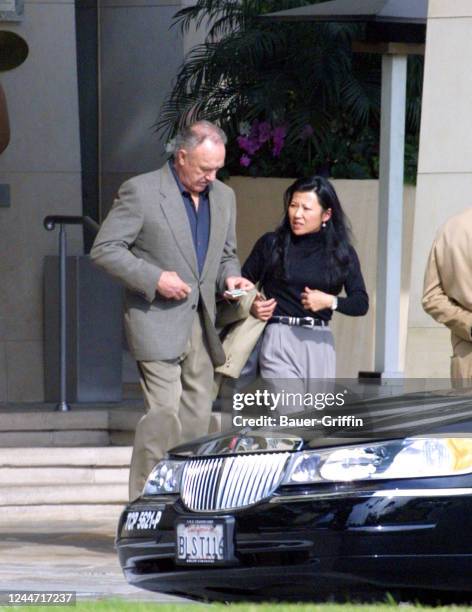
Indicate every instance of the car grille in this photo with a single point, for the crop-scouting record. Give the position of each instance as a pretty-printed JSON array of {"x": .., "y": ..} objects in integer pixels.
[{"x": 226, "y": 483}]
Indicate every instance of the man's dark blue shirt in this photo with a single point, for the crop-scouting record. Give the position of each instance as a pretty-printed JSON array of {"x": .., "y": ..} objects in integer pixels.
[{"x": 199, "y": 219}]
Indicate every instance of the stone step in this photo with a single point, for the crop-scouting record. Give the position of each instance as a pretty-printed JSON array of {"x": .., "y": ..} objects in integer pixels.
[
  {"x": 90, "y": 425},
  {"x": 26, "y": 495},
  {"x": 54, "y": 438},
  {"x": 62, "y": 475},
  {"x": 17, "y": 516},
  {"x": 120, "y": 433},
  {"x": 94, "y": 425},
  {"x": 112, "y": 456},
  {"x": 54, "y": 421}
]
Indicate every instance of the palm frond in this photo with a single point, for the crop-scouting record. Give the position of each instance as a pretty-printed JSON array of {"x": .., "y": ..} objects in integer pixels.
[{"x": 292, "y": 74}]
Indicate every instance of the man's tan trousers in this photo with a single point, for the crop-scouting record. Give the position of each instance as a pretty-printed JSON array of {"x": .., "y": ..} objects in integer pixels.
[
  {"x": 461, "y": 361},
  {"x": 178, "y": 399}
]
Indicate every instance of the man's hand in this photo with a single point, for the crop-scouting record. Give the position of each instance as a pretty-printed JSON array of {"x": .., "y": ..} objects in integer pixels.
[
  {"x": 263, "y": 309},
  {"x": 172, "y": 287},
  {"x": 314, "y": 299},
  {"x": 238, "y": 282}
]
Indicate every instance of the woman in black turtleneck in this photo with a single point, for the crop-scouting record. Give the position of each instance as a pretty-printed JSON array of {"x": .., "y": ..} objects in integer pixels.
[{"x": 302, "y": 267}]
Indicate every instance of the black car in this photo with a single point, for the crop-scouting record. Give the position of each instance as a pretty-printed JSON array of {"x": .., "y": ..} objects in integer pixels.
[{"x": 296, "y": 513}]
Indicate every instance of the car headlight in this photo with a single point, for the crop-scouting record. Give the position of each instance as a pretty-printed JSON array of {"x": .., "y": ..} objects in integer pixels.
[
  {"x": 408, "y": 458},
  {"x": 164, "y": 478}
]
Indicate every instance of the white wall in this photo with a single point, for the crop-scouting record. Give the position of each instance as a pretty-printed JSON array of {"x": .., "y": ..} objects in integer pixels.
[
  {"x": 260, "y": 210},
  {"x": 445, "y": 167},
  {"x": 42, "y": 167}
]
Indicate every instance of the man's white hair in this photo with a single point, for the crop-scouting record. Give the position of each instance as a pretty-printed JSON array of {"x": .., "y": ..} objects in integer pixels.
[{"x": 194, "y": 134}]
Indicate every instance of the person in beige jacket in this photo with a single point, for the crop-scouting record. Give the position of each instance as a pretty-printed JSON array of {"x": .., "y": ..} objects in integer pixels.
[{"x": 447, "y": 292}]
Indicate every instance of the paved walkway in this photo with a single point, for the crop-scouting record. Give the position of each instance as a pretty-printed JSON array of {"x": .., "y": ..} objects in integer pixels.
[{"x": 66, "y": 556}]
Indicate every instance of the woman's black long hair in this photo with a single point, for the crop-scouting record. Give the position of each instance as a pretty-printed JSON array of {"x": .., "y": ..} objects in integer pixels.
[{"x": 336, "y": 234}]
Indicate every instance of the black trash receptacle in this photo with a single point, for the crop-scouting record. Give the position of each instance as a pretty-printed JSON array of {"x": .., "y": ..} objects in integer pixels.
[{"x": 94, "y": 332}]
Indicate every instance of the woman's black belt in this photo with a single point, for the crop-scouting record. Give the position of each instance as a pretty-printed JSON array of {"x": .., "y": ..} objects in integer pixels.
[{"x": 300, "y": 321}]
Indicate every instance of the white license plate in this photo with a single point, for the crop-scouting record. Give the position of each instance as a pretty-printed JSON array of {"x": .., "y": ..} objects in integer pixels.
[
  {"x": 200, "y": 541},
  {"x": 142, "y": 520}
]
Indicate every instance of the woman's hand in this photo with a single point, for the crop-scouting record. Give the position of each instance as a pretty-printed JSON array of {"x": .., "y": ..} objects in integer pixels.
[
  {"x": 314, "y": 300},
  {"x": 263, "y": 309}
]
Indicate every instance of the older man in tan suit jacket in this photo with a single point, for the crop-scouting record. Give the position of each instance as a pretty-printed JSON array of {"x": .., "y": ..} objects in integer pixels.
[
  {"x": 447, "y": 294},
  {"x": 170, "y": 239}
]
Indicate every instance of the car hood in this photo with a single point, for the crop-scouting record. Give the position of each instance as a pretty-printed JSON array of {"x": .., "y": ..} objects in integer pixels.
[{"x": 397, "y": 417}]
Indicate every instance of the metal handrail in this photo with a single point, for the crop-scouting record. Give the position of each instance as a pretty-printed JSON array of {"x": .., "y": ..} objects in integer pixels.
[
  {"x": 50, "y": 223},
  {"x": 51, "y": 220}
]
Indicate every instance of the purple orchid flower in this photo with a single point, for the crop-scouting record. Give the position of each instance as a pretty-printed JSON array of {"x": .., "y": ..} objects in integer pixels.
[
  {"x": 248, "y": 144},
  {"x": 278, "y": 139}
]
